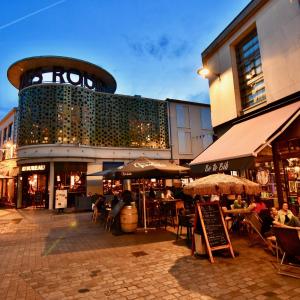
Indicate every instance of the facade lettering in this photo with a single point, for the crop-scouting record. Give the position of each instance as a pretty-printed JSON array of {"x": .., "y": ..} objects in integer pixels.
[
  {"x": 33, "y": 168},
  {"x": 62, "y": 75}
]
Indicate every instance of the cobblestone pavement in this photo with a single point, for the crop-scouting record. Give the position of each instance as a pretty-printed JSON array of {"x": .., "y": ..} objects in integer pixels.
[{"x": 48, "y": 256}]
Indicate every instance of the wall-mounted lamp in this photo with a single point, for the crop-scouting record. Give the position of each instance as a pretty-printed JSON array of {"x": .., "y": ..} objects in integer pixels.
[{"x": 205, "y": 73}]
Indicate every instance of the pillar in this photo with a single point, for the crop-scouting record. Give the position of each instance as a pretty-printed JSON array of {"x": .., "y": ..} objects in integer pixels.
[
  {"x": 279, "y": 186},
  {"x": 51, "y": 186},
  {"x": 19, "y": 191}
]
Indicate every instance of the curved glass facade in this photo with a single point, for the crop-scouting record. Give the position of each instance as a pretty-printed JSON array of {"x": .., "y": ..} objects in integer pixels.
[{"x": 65, "y": 114}]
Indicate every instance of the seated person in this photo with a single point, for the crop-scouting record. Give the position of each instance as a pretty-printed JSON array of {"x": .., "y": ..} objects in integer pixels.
[
  {"x": 257, "y": 206},
  {"x": 286, "y": 217},
  {"x": 169, "y": 195},
  {"x": 239, "y": 203}
]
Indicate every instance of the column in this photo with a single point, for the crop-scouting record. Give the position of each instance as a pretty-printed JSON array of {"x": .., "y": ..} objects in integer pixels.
[
  {"x": 51, "y": 186},
  {"x": 19, "y": 191},
  {"x": 279, "y": 186}
]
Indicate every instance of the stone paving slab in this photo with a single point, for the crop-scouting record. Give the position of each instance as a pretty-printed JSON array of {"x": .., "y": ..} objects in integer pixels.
[{"x": 48, "y": 256}]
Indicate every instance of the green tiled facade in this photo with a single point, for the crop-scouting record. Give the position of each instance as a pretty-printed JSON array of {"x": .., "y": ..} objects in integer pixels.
[{"x": 65, "y": 114}]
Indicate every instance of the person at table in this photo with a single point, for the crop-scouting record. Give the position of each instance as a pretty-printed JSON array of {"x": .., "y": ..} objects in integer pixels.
[
  {"x": 286, "y": 217},
  {"x": 239, "y": 203},
  {"x": 169, "y": 195},
  {"x": 257, "y": 206}
]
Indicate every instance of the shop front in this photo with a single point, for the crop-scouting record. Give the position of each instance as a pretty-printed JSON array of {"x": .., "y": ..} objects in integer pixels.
[
  {"x": 34, "y": 181},
  {"x": 265, "y": 149},
  {"x": 70, "y": 176}
]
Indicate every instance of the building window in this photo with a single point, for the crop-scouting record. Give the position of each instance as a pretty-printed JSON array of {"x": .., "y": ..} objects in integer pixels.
[
  {"x": 251, "y": 80},
  {"x": 207, "y": 140},
  {"x": 205, "y": 118},
  {"x": 4, "y": 135},
  {"x": 184, "y": 142},
  {"x": 10, "y": 131},
  {"x": 182, "y": 114}
]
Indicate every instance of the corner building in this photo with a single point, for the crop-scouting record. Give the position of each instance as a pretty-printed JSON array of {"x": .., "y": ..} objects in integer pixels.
[{"x": 70, "y": 124}]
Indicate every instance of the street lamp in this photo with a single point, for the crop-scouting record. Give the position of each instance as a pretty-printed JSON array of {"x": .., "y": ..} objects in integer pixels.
[{"x": 205, "y": 73}]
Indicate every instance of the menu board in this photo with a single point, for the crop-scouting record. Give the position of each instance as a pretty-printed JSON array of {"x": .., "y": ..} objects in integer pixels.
[
  {"x": 213, "y": 224},
  {"x": 209, "y": 222},
  {"x": 61, "y": 197}
]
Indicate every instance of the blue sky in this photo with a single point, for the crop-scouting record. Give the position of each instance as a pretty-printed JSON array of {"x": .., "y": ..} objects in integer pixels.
[{"x": 152, "y": 47}]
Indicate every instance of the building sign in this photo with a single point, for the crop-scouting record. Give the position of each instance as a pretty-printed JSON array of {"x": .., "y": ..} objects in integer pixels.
[
  {"x": 33, "y": 168},
  {"x": 61, "y": 198},
  {"x": 61, "y": 75},
  {"x": 217, "y": 167},
  {"x": 222, "y": 166}
]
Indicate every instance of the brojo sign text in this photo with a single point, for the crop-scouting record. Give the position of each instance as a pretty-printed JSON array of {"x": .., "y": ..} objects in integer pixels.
[{"x": 61, "y": 75}]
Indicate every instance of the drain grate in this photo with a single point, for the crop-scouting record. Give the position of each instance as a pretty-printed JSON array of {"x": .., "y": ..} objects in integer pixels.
[
  {"x": 83, "y": 290},
  {"x": 139, "y": 253}
]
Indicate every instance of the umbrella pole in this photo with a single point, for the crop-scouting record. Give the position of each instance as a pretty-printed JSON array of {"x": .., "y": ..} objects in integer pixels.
[{"x": 144, "y": 207}]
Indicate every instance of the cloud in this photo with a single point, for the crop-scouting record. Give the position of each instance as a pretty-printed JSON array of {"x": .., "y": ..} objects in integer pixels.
[{"x": 160, "y": 48}]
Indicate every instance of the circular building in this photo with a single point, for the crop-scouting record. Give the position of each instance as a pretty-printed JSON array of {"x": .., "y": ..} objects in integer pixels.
[{"x": 70, "y": 123}]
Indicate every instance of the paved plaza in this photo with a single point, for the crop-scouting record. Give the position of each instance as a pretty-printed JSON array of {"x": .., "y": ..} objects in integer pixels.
[{"x": 49, "y": 256}]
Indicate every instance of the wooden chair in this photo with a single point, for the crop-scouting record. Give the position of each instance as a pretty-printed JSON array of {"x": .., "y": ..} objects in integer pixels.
[
  {"x": 255, "y": 223},
  {"x": 96, "y": 214},
  {"x": 288, "y": 240}
]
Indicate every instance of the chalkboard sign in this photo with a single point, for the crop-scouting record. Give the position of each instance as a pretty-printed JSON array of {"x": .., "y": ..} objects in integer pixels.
[
  {"x": 209, "y": 222},
  {"x": 213, "y": 224}
]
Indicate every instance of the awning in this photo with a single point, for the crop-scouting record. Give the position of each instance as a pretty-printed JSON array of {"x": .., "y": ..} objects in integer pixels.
[{"x": 237, "y": 148}]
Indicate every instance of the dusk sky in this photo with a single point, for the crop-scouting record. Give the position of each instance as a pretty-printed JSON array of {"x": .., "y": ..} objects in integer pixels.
[{"x": 152, "y": 47}]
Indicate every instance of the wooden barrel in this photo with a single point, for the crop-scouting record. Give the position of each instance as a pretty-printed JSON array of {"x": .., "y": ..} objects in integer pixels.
[{"x": 129, "y": 218}]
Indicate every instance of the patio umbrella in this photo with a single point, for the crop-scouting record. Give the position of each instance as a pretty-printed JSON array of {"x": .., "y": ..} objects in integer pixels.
[
  {"x": 218, "y": 184},
  {"x": 143, "y": 167}
]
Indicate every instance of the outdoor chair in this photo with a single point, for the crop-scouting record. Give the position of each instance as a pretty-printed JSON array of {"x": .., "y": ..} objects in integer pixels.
[
  {"x": 109, "y": 221},
  {"x": 255, "y": 223},
  {"x": 96, "y": 214},
  {"x": 184, "y": 221},
  {"x": 288, "y": 240},
  {"x": 179, "y": 205},
  {"x": 154, "y": 216}
]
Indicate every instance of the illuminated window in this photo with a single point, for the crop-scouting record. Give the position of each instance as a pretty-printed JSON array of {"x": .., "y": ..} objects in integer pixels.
[{"x": 251, "y": 80}]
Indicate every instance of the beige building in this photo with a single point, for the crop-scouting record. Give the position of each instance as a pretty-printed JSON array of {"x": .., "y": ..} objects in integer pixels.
[
  {"x": 8, "y": 165},
  {"x": 253, "y": 68},
  {"x": 190, "y": 129}
]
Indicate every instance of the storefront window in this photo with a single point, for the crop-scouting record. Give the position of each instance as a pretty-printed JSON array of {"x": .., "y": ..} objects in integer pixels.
[
  {"x": 71, "y": 177},
  {"x": 293, "y": 179}
]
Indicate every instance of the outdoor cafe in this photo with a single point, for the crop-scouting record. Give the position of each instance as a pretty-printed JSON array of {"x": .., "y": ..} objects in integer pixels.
[{"x": 209, "y": 209}]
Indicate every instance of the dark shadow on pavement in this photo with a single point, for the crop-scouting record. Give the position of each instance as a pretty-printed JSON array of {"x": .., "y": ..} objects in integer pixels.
[{"x": 80, "y": 234}]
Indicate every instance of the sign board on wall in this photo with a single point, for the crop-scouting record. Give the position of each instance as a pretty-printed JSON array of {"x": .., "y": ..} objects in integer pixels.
[{"x": 61, "y": 197}]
